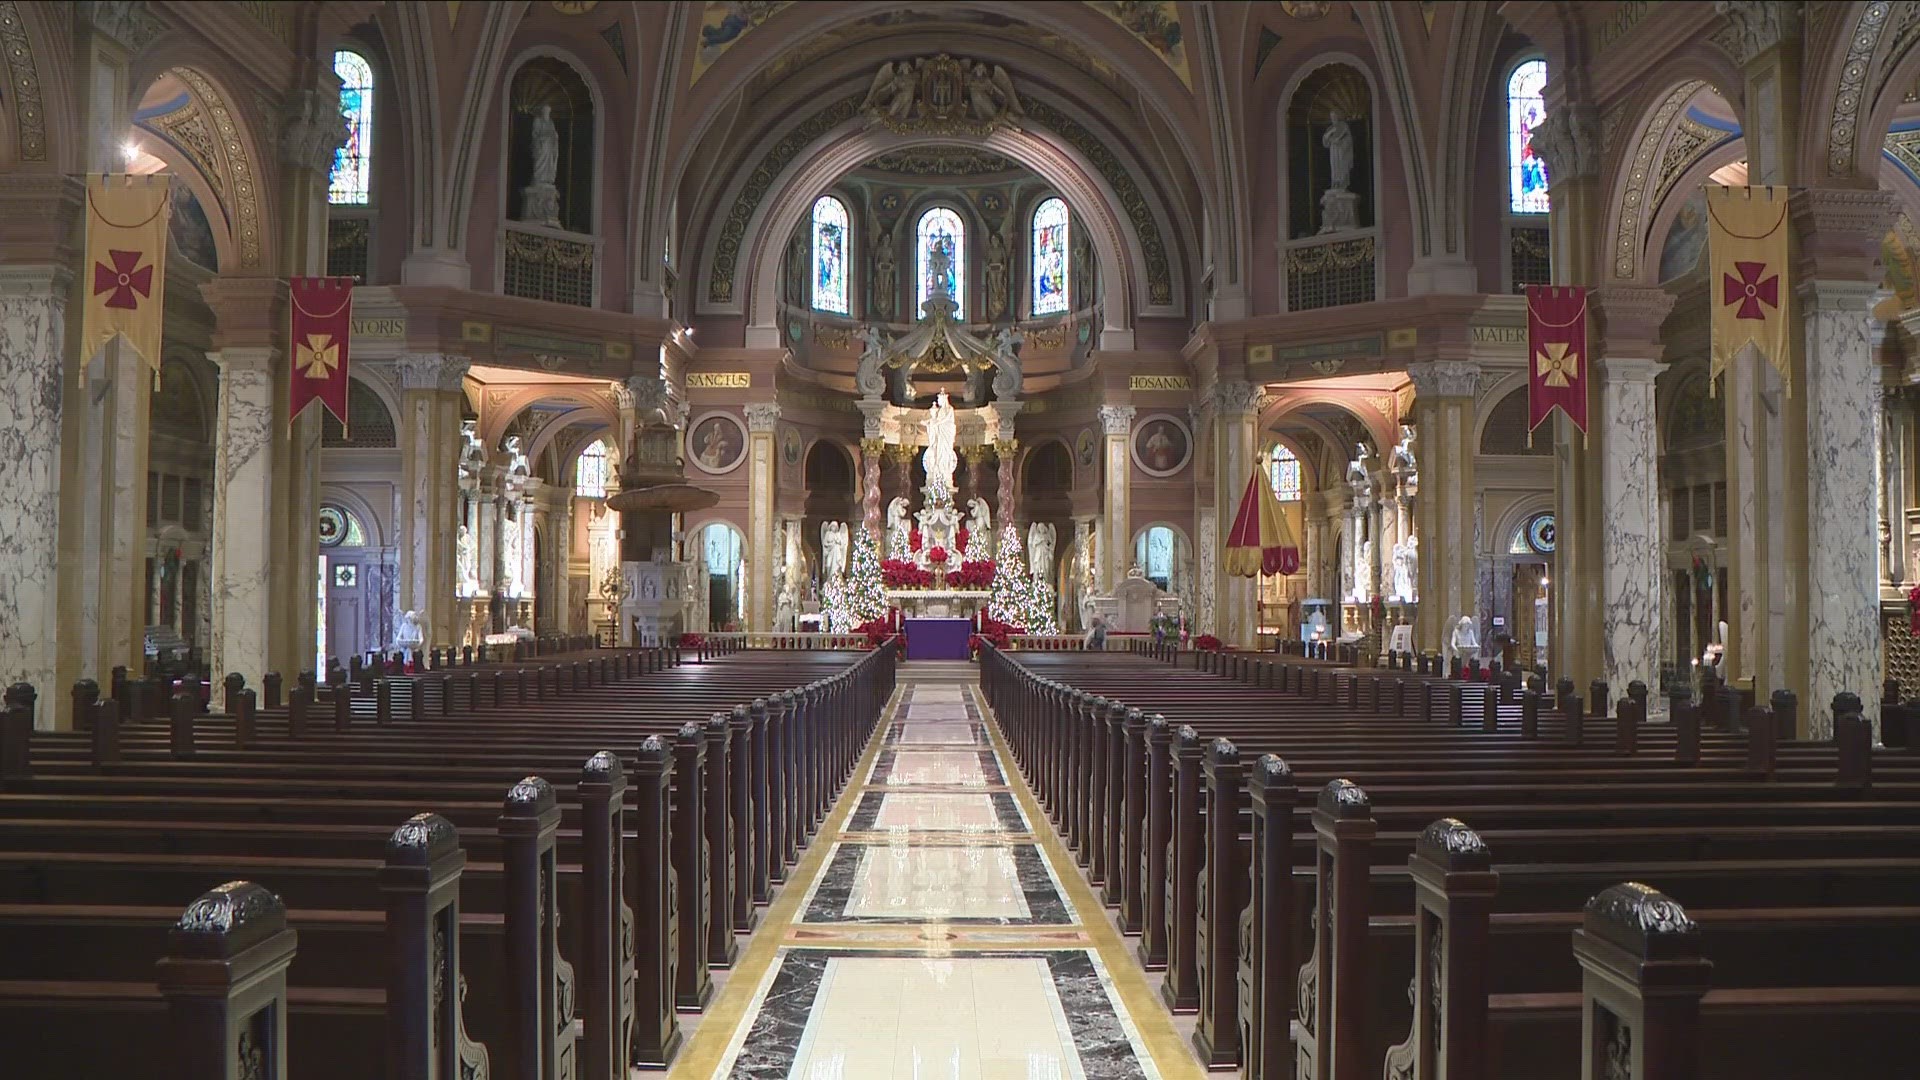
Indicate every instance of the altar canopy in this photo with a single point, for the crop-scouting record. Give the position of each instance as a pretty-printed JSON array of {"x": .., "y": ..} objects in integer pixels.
[{"x": 1259, "y": 542}]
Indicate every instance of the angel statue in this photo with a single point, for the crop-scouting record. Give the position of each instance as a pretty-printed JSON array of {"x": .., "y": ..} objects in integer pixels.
[
  {"x": 892, "y": 91},
  {"x": 1006, "y": 362},
  {"x": 833, "y": 548},
  {"x": 991, "y": 94},
  {"x": 868, "y": 378},
  {"x": 898, "y": 530},
  {"x": 1040, "y": 540},
  {"x": 1465, "y": 640},
  {"x": 979, "y": 520}
]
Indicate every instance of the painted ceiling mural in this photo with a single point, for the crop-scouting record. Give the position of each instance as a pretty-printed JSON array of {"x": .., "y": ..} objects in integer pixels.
[
  {"x": 1157, "y": 24},
  {"x": 724, "y": 23}
]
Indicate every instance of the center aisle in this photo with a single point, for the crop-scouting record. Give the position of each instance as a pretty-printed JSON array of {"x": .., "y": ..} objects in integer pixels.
[{"x": 932, "y": 932}]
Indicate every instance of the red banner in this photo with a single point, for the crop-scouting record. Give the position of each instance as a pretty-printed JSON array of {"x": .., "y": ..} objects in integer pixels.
[
  {"x": 322, "y": 323},
  {"x": 1557, "y": 353}
]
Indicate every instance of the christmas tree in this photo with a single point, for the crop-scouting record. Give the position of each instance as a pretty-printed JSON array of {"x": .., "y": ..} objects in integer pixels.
[
  {"x": 864, "y": 597},
  {"x": 1018, "y": 599}
]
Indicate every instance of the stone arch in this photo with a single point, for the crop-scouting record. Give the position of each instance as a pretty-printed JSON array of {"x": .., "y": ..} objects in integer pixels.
[
  {"x": 1508, "y": 405},
  {"x": 1378, "y": 427},
  {"x": 25, "y": 135},
  {"x": 1854, "y": 106},
  {"x": 500, "y": 414},
  {"x": 1636, "y": 185},
  {"x": 1665, "y": 216},
  {"x": 1515, "y": 516},
  {"x": 350, "y": 500},
  {"x": 815, "y": 168},
  {"x": 1311, "y": 476},
  {"x": 235, "y": 164}
]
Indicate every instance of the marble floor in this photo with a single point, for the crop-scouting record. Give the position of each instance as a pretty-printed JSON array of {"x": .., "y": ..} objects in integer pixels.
[{"x": 936, "y": 930}]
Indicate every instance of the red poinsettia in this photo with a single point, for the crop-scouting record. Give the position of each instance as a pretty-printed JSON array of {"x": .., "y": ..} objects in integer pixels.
[
  {"x": 960, "y": 539},
  {"x": 691, "y": 640},
  {"x": 938, "y": 556},
  {"x": 901, "y": 574},
  {"x": 1207, "y": 642},
  {"x": 913, "y": 541}
]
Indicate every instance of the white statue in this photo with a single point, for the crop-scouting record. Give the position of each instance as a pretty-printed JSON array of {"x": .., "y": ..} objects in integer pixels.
[
  {"x": 540, "y": 200},
  {"x": 1403, "y": 453},
  {"x": 939, "y": 457},
  {"x": 1339, "y": 143},
  {"x": 1357, "y": 468},
  {"x": 467, "y": 562},
  {"x": 1363, "y": 572},
  {"x": 409, "y": 635},
  {"x": 785, "y": 609},
  {"x": 833, "y": 548},
  {"x": 898, "y": 530},
  {"x": 868, "y": 378},
  {"x": 979, "y": 521},
  {"x": 1465, "y": 642},
  {"x": 512, "y": 557},
  {"x": 1040, "y": 540},
  {"x": 1317, "y": 628},
  {"x": 1406, "y": 562}
]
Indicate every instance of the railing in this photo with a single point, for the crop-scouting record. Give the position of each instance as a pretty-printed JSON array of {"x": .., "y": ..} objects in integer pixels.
[
  {"x": 1049, "y": 642},
  {"x": 539, "y": 263},
  {"x": 758, "y": 639},
  {"x": 1331, "y": 271}
]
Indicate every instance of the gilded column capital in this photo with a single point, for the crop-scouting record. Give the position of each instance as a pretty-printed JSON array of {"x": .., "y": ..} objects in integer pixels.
[
  {"x": 762, "y": 415},
  {"x": 873, "y": 448},
  {"x": 1006, "y": 448},
  {"x": 1233, "y": 397},
  {"x": 1116, "y": 419},
  {"x": 1444, "y": 378},
  {"x": 430, "y": 371}
]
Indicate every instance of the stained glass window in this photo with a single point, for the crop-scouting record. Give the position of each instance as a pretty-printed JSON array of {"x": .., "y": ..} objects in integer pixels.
[
  {"x": 1286, "y": 475},
  {"x": 1050, "y": 257},
  {"x": 940, "y": 229},
  {"x": 1526, "y": 107},
  {"x": 830, "y": 255},
  {"x": 590, "y": 474},
  {"x": 348, "y": 185}
]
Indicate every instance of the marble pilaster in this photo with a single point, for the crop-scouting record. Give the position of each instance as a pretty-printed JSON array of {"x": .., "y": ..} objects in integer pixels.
[
  {"x": 1631, "y": 539},
  {"x": 1117, "y": 422},
  {"x": 243, "y": 497},
  {"x": 763, "y": 419},
  {"x": 429, "y": 436},
  {"x": 1235, "y": 406},
  {"x": 1896, "y": 439},
  {"x": 1444, "y": 409},
  {"x": 33, "y": 301}
]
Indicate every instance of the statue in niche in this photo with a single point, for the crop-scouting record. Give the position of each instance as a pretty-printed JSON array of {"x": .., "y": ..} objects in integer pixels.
[
  {"x": 897, "y": 528},
  {"x": 833, "y": 549},
  {"x": 540, "y": 200},
  {"x": 1406, "y": 560},
  {"x": 467, "y": 562},
  {"x": 996, "y": 276},
  {"x": 798, "y": 263},
  {"x": 939, "y": 457},
  {"x": 885, "y": 283},
  {"x": 1339, "y": 206},
  {"x": 1363, "y": 571},
  {"x": 869, "y": 379},
  {"x": 1040, "y": 541}
]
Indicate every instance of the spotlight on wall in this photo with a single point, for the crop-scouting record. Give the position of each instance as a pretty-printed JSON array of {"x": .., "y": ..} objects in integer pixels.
[{"x": 130, "y": 151}]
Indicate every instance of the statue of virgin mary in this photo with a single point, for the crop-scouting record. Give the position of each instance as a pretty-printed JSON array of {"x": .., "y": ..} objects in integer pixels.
[{"x": 939, "y": 457}]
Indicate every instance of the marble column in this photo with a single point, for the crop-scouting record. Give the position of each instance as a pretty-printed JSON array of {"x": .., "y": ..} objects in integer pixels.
[
  {"x": 1631, "y": 540},
  {"x": 1235, "y": 406},
  {"x": 1117, "y": 548},
  {"x": 763, "y": 418},
  {"x": 871, "y": 451},
  {"x": 430, "y": 406},
  {"x": 33, "y": 303},
  {"x": 1444, "y": 410},
  {"x": 243, "y": 499},
  {"x": 1896, "y": 486}
]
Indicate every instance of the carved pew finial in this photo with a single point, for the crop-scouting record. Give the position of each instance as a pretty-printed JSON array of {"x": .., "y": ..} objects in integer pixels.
[
  {"x": 1643, "y": 977},
  {"x": 225, "y": 981}
]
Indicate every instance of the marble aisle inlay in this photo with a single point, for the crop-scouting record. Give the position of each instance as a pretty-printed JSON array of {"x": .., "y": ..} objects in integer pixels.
[{"x": 931, "y": 932}]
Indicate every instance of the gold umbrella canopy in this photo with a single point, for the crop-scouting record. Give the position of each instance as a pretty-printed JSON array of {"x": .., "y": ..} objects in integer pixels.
[
  {"x": 1259, "y": 542},
  {"x": 674, "y": 498}
]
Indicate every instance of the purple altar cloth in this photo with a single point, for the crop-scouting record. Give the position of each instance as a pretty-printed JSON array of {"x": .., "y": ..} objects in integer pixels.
[{"x": 938, "y": 639}]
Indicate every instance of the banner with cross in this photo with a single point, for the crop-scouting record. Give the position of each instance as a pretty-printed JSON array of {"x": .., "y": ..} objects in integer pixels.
[
  {"x": 1748, "y": 286},
  {"x": 126, "y": 264}
]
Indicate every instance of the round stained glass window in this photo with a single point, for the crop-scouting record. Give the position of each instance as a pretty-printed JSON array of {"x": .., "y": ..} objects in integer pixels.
[
  {"x": 333, "y": 526},
  {"x": 1540, "y": 533}
]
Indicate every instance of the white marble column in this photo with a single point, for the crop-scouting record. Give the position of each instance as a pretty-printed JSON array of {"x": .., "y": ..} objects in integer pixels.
[
  {"x": 1117, "y": 422},
  {"x": 243, "y": 498},
  {"x": 1631, "y": 543},
  {"x": 33, "y": 302},
  {"x": 429, "y": 467},
  {"x": 1896, "y": 458},
  {"x": 763, "y": 418},
  {"x": 1842, "y": 389},
  {"x": 1444, "y": 404}
]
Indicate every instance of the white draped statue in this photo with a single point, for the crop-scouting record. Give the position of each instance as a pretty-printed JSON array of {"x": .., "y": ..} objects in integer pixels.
[
  {"x": 1406, "y": 560},
  {"x": 898, "y": 530},
  {"x": 833, "y": 549},
  {"x": 939, "y": 457},
  {"x": 1465, "y": 642},
  {"x": 1040, "y": 540},
  {"x": 979, "y": 522}
]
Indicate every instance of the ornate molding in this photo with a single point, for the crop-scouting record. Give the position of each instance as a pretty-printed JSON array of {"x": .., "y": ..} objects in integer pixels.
[
  {"x": 1116, "y": 419},
  {"x": 311, "y": 130},
  {"x": 126, "y": 22},
  {"x": 1634, "y": 203},
  {"x": 1843, "y": 122},
  {"x": 1568, "y": 140},
  {"x": 1444, "y": 378},
  {"x": 1233, "y": 397},
  {"x": 430, "y": 371},
  {"x": 762, "y": 416},
  {"x": 23, "y": 85},
  {"x": 942, "y": 95},
  {"x": 1758, "y": 25},
  {"x": 1840, "y": 231},
  {"x": 238, "y": 161}
]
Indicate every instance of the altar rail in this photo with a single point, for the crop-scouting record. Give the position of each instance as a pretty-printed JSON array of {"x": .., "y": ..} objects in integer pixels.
[
  {"x": 756, "y": 639},
  {"x": 1048, "y": 642}
]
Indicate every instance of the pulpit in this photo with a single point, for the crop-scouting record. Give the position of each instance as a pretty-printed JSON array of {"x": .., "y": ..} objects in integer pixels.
[{"x": 1134, "y": 603}]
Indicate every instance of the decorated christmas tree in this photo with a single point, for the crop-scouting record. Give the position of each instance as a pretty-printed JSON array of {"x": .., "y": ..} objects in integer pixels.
[
  {"x": 1017, "y": 598},
  {"x": 864, "y": 597}
]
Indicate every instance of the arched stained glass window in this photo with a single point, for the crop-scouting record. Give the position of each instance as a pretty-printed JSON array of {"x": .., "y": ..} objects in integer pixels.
[
  {"x": 941, "y": 230},
  {"x": 1526, "y": 107},
  {"x": 590, "y": 474},
  {"x": 1285, "y": 475},
  {"x": 830, "y": 255},
  {"x": 1050, "y": 257},
  {"x": 348, "y": 184}
]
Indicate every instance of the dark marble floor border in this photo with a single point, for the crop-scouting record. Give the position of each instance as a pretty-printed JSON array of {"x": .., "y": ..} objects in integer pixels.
[
  {"x": 975, "y": 728},
  {"x": 1100, "y": 1036},
  {"x": 989, "y": 762},
  {"x": 1004, "y": 807},
  {"x": 834, "y": 891}
]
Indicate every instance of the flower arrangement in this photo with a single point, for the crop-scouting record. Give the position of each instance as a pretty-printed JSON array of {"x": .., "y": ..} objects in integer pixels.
[
  {"x": 691, "y": 640},
  {"x": 973, "y": 574},
  {"x": 994, "y": 631},
  {"x": 938, "y": 556},
  {"x": 960, "y": 538},
  {"x": 1207, "y": 643},
  {"x": 913, "y": 541},
  {"x": 877, "y": 632},
  {"x": 901, "y": 574}
]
